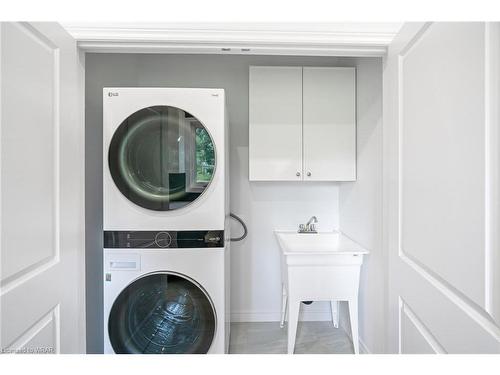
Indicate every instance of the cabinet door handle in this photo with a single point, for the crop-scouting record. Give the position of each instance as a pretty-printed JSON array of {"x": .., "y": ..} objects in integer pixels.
[
  {"x": 297, "y": 174},
  {"x": 308, "y": 174}
]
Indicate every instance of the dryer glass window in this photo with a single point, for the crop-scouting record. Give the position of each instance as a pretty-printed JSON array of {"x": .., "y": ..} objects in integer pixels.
[
  {"x": 162, "y": 158},
  {"x": 162, "y": 313}
]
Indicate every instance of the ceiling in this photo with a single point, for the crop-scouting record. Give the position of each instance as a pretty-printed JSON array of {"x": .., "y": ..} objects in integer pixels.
[{"x": 313, "y": 39}]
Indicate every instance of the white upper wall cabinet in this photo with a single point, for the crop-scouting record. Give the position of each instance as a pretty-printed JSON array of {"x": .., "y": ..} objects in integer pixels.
[
  {"x": 329, "y": 124},
  {"x": 275, "y": 116},
  {"x": 302, "y": 124}
]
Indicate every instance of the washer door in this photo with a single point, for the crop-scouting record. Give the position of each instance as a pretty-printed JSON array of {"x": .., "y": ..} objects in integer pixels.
[
  {"x": 162, "y": 158},
  {"x": 162, "y": 313}
]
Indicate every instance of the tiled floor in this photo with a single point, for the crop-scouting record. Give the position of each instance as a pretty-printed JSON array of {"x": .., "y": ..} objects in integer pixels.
[{"x": 269, "y": 338}]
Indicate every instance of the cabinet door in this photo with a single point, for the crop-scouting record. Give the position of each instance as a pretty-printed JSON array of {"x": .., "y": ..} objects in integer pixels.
[
  {"x": 275, "y": 119},
  {"x": 329, "y": 124}
]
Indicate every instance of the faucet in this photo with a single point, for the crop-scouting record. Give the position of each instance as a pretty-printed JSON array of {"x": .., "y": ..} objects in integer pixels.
[{"x": 309, "y": 227}]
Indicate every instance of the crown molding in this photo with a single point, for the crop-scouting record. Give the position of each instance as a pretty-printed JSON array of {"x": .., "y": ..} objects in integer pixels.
[{"x": 341, "y": 39}]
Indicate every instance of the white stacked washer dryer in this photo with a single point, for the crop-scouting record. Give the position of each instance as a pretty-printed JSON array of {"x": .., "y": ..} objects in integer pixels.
[{"x": 166, "y": 208}]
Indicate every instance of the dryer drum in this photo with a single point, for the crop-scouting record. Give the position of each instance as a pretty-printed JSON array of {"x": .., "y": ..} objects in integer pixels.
[
  {"x": 162, "y": 313},
  {"x": 162, "y": 158}
]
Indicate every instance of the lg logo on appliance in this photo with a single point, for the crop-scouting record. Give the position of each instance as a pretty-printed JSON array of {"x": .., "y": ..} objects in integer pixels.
[{"x": 111, "y": 94}]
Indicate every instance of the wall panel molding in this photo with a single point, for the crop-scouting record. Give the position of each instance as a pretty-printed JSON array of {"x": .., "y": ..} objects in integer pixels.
[
  {"x": 465, "y": 304},
  {"x": 425, "y": 333},
  {"x": 51, "y": 320},
  {"x": 35, "y": 268},
  {"x": 492, "y": 169}
]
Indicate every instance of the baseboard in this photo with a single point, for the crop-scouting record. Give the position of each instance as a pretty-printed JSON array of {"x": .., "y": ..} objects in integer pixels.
[
  {"x": 275, "y": 316},
  {"x": 363, "y": 348}
]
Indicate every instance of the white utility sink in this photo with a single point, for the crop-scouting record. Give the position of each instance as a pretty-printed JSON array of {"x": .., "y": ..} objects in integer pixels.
[
  {"x": 322, "y": 266},
  {"x": 327, "y": 243}
]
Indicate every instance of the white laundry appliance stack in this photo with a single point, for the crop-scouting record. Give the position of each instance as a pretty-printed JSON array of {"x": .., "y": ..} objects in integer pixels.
[{"x": 166, "y": 207}]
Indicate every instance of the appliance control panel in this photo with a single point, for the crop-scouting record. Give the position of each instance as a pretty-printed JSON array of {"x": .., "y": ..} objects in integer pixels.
[{"x": 163, "y": 239}]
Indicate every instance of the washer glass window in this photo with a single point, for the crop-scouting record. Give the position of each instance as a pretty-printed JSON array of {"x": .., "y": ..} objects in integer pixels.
[
  {"x": 162, "y": 158},
  {"x": 162, "y": 313}
]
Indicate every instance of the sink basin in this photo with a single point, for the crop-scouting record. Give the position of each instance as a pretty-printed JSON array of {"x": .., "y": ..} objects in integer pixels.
[{"x": 328, "y": 243}]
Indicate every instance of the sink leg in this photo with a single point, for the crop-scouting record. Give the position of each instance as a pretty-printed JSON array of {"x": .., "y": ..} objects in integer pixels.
[
  {"x": 284, "y": 300},
  {"x": 335, "y": 313},
  {"x": 293, "y": 318},
  {"x": 353, "y": 316}
]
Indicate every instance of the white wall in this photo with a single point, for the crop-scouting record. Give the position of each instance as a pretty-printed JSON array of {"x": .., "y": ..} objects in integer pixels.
[
  {"x": 360, "y": 209},
  {"x": 265, "y": 206},
  {"x": 256, "y": 282}
]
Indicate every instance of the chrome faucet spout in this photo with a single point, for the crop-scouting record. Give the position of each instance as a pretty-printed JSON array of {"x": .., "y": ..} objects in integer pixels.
[{"x": 313, "y": 219}]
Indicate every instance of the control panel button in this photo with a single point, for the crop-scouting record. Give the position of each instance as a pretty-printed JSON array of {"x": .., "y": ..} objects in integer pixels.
[{"x": 163, "y": 239}]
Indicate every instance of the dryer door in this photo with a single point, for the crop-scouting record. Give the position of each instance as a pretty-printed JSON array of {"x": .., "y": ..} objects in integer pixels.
[
  {"x": 162, "y": 313},
  {"x": 162, "y": 158}
]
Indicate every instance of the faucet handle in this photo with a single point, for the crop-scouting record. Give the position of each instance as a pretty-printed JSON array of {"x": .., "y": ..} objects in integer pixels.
[
  {"x": 302, "y": 228},
  {"x": 312, "y": 227}
]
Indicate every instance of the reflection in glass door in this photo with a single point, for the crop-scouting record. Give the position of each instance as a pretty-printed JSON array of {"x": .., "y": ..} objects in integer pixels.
[
  {"x": 162, "y": 313},
  {"x": 162, "y": 158}
]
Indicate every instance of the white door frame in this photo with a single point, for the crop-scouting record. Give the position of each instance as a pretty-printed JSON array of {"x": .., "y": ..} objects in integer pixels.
[{"x": 295, "y": 39}]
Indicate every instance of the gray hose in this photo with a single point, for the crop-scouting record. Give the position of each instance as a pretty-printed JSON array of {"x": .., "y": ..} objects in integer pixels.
[{"x": 242, "y": 224}]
